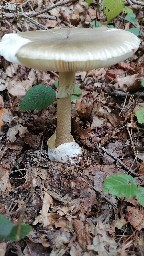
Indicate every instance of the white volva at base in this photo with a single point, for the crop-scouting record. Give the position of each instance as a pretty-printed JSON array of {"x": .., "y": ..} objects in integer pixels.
[{"x": 65, "y": 153}]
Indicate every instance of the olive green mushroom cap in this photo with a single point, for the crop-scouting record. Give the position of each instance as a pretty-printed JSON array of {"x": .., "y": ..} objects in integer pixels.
[{"x": 74, "y": 49}]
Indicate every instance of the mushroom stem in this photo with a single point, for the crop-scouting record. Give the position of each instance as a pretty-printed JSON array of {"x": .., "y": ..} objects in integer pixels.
[{"x": 65, "y": 90}]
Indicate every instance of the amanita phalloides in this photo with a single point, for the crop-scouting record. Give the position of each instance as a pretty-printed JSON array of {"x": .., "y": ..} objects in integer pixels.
[{"x": 66, "y": 51}]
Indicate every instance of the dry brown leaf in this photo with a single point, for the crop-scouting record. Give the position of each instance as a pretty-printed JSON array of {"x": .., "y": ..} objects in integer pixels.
[
  {"x": 4, "y": 180},
  {"x": 17, "y": 88},
  {"x": 82, "y": 235},
  {"x": 92, "y": 13},
  {"x": 58, "y": 252},
  {"x": 51, "y": 23},
  {"x": 136, "y": 217},
  {"x": 97, "y": 122},
  {"x": 32, "y": 77},
  {"x": 2, "y": 249},
  {"x": 2, "y": 85},
  {"x": 13, "y": 131},
  {"x": 11, "y": 70},
  {"x": 127, "y": 83},
  {"x": 1, "y": 102},
  {"x": 44, "y": 216},
  {"x": 102, "y": 243},
  {"x": 76, "y": 250},
  {"x": 2, "y": 111}
]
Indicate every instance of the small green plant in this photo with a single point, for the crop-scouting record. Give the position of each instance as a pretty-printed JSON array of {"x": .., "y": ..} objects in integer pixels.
[
  {"x": 112, "y": 8},
  {"x": 140, "y": 112},
  {"x": 12, "y": 232},
  {"x": 38, "y": 97},
  {"x": 89, "y": 1},
  {"x": 41, "y": 96},
  {"x": 123, "y": 185}
]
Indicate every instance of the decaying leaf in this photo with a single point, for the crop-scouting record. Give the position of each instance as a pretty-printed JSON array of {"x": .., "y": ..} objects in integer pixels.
[
  {"x": 136, "y": 217},
  {"x": 44, "y": 215},
  {"x": 102, "y": 243},
  {"x": 13, "y": 131},
  {"x": 2, "y": 249},
  {"x": 2, "y": 111},
  {"x": 17, "y": 88},
  {"x": 82, "y": 235},
  {"x": 128, "y": 83},
  {"x": 4, "y": 180}
]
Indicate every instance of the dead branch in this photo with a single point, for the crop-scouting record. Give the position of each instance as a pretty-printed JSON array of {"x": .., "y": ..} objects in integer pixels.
[
  {"x": 53, "y": 6},
  {"x": 135, "y": 4},
  {"x": 11, "y": 15},
  {"x": 126, "y": 168},
  {"x": 36, "y": 23}
]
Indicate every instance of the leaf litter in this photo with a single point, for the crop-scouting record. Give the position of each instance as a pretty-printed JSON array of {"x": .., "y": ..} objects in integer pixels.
[{"x": 66, "y": 205}]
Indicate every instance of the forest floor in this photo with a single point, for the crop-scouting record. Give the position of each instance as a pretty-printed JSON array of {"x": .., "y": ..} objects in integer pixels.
[{"x": 65, "y": 204}]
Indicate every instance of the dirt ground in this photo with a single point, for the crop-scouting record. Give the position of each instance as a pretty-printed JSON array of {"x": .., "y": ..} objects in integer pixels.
[{"x": 65, "y": 204}]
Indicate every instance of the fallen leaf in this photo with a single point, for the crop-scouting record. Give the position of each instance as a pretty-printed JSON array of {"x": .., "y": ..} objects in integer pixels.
[
  {"x": 76, "y": 250},
  {"x": 102, "y": 243},
  {"x": 135, "y": 217},
  {"x": 97, "y": 122},
  {"x": 11, "y": 70},
  {"x": 13, "y": 131},
  {"x": 51, "y": 23},
  {"x": 44, "y": 215},
  {"x": 1, "y": 102},
  {"x": 128, "y": 83},
  {"x": 82, "y": 236},
  {"x": 2, "y": 111},
  {"x": 17, "y": 88},
  {"x": 4, "y": 180},
  {"x": 3, "y": 249}
]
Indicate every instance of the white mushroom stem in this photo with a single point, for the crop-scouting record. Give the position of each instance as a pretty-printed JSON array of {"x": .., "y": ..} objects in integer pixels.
[{"x": 65, "y": 90}]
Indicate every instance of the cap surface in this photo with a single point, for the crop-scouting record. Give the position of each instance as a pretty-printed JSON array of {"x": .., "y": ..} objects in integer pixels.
[{"x": 76, "y": 49}]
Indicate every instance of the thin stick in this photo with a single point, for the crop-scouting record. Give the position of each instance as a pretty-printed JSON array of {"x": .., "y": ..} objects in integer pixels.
[
  {"x": 54, "y": 6},
  {"x": 126, "y": 168}
]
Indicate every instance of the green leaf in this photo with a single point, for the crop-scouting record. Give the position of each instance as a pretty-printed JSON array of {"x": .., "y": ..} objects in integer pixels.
[
  {"x": 131, "y": 17},
  {"x": 96, "y": 24},
  {"x": 17, "y": 234},
  {"x": 140, "y": 115},
  {"x": 127, "y": 10},
  {"x": 5, "y": 227},
  {"x": 135, "y": 31},
  {"x": 120, "y": 185},
  {"x": 112, "y": 8},
  {"x": 38, "y": 97},
  {"x": 140, "y": 196},
  {"x": 142, "y": 82},
  {"x": 76, "y": 93},
  {"x": 56, "y": 84},
  {"x": 89, "y": 1},
  {"x": 10, "y": 231}
]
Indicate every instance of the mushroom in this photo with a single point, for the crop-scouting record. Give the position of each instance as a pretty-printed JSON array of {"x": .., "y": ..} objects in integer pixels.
[{"x": 68, "y": 50}]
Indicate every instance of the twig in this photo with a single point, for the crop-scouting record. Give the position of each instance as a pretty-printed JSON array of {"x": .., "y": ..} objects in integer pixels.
[
  {"x": 54, "y": 6},
  {"x": 126, "y": 94},
  {"x": 29, "y": 14},
  {"x": 36, "y": 23},
  {"x": 125, "y": 167},
  {"x": 132, "y": 143},
  {"x": 136, "y": 4}
]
